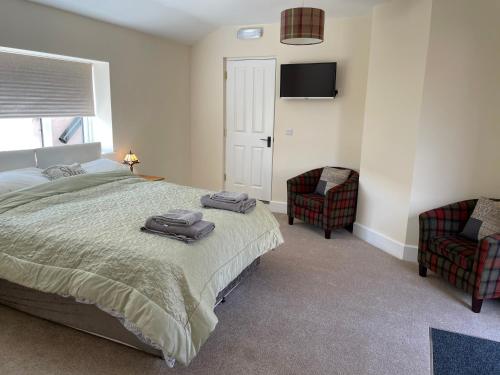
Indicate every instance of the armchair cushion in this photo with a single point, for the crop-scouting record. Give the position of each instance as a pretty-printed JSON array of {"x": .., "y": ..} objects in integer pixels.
[
  {"x": 312, "y": 201},
  {"x": 455, "y": 248},
  {"x": 331, "y": 177},
  {"x": 484, "y": 221}
]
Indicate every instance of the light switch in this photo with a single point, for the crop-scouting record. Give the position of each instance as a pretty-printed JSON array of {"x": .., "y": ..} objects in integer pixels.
[{"x": 289, "y": 131}]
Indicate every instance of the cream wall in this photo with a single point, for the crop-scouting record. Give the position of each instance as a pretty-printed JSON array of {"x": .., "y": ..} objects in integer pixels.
[
  {"x": 458, "y": 145},
  {"x": 431, "y": 132},
  {"x": 399, "y": 40},
  {"x": 149, "y": 79},
  {"x": 325, "y": 132}
]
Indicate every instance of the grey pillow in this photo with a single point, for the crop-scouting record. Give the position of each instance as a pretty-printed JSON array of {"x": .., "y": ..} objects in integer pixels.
[
  {"x": 484, "y": 221},
  {"x": 331, "y": 177},
  {"x": 59, "y": 171}
]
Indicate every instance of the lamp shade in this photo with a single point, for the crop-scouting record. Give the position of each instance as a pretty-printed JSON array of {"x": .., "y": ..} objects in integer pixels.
[
  {"x": 130, "y": 159},
  {"x": 301, "y": 26}
]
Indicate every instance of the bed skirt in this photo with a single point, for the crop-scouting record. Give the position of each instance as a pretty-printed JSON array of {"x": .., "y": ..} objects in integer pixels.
[{"x": 86, "y": 317}]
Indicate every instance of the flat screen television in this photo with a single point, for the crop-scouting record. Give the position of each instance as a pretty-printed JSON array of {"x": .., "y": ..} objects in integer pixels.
[{"x": 315, "y": 80}]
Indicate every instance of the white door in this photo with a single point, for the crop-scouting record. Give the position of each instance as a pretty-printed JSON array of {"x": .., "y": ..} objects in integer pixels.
[{"x": 250, "y": 95}]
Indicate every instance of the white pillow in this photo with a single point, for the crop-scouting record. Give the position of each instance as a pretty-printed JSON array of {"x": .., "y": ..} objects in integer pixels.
[
  {"x": 20, "y": 179},
  {"x": 103, "y": 165}
]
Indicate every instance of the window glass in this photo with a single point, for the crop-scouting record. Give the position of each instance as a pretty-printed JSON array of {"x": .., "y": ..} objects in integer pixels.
[
  {"x": 28, "y": 133},
  {"x": 62, "y": 131},
  {"x": 20, "y": 134}
]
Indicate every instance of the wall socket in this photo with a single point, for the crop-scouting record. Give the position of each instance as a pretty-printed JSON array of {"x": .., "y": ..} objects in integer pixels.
[{"x": 289, "y": 131}]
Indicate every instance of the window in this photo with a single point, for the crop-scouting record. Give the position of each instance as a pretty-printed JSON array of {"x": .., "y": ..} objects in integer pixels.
[
  {"x": 20, "y": 134},
  {"x": 28, "y": 133},
  {"x": 48, "y": 100}
]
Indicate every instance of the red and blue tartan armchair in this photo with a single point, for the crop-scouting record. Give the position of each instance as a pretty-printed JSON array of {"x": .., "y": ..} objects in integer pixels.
[
  {"x": 471, "y": 266},
  {"x": 337, "y": 209}
]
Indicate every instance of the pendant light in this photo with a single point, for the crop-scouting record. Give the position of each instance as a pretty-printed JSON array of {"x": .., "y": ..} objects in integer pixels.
[{"x": 302, "y": 26}]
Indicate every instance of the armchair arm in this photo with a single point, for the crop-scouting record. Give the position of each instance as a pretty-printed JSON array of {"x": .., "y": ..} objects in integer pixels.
[
  {"x": 444, "y": 220},
  {"x": 303, "y": 183},
  {"x": 487, "y": 268},
  {"x": 340, "y": 203}
]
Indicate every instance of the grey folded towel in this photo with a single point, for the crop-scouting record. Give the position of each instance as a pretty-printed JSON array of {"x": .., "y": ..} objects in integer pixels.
[
  {"x": 183, "y": 233},
  {"x": 243, "y": 207},
  {"x": 179, "y": 217},
  {"x": 229, "y": 196}
]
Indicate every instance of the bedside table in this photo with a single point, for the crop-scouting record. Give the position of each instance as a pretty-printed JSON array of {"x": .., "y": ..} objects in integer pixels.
[{"x": 151, "y": 178}]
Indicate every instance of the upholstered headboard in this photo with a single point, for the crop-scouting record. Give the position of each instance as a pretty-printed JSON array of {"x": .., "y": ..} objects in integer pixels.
[
  {"x": 45, "y": 157},
  {"x": 17, "y": 159}
]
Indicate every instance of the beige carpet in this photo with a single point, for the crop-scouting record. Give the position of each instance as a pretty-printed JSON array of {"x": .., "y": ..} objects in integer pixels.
[{"x": 315, "y": 306}]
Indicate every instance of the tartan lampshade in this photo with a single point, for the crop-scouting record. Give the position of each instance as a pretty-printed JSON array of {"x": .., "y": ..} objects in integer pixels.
[{"x": 301, "y": 26}]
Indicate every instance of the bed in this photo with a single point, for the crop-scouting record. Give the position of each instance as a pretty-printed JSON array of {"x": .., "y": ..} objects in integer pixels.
[{"x": 71, "y": 251}]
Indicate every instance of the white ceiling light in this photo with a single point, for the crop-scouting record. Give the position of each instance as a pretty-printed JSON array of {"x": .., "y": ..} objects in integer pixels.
[{"x": 250, "y": 33}]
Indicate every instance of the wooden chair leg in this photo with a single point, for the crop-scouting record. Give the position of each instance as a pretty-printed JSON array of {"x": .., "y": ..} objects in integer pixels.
[
  {"x": 328, "y": 234},
  {"x": 476, "y": 304},
  {"x": 350, "y": 227},
  {"x": 290, "y": 220},
  {"x": 422, "y": 270}
]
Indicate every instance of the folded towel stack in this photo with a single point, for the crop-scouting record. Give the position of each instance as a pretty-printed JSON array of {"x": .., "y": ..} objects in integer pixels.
[
  {"x": 182, "y": 225},
  {"x": 179, "y": 217},
  {"x": 229, "y": 197},
  {"x": 231, "y": 201}
]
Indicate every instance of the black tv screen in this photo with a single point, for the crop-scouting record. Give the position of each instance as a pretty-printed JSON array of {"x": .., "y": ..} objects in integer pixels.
[{"x": 316, "y": 80}]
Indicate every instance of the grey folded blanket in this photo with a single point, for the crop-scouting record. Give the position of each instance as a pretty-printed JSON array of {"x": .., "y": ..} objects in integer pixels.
[
  {"x": 185, "y": 233},
  {"x": 229, "y": 197},
  {"x": 243, "y": 207},
  {"x": 179, "y": 217}
]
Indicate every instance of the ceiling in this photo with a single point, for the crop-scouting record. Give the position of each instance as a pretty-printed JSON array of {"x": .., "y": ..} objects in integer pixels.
[{"x": 188, "y": 20}]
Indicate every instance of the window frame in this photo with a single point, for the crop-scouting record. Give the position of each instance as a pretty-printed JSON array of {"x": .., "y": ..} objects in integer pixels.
[{"x": 100, "y": 127}]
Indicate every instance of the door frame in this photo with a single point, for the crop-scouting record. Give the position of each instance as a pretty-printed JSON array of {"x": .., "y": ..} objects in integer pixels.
[{"x": 224, "y": 110}]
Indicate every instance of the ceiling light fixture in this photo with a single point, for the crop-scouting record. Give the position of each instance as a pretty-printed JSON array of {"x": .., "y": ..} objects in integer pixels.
[
  {"x": 302, "y": 26},
  {"x": 250, "y": 33}
]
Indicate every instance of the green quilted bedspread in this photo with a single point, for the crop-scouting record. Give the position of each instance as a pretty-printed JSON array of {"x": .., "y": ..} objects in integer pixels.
[{"x": 80, "y": 237}]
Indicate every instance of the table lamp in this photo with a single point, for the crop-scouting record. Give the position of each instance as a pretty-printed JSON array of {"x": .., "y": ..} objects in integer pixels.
[{"x": 131, "y": 159}]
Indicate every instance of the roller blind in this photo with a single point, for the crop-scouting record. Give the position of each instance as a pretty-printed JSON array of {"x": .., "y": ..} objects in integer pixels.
[{"x": 33, "y": 86}]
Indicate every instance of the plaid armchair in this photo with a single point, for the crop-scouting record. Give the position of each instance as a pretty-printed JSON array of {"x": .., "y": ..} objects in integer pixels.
[
  {"x": 471, "y": 266},
  {"x": 335, "y": 210}
]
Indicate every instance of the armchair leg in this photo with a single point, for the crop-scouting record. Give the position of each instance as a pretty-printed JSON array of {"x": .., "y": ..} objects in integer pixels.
[
  {"x": 328, "y": 234},
  {"x": 290, "y": 220},
  {"x": 350, "y": 227},
  {"x": 476, "y": 304},
  {"x": 422, "y": 270}
]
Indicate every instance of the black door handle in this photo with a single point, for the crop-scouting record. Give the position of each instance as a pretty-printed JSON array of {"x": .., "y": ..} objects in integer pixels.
[{"x": 268, "y": 139}]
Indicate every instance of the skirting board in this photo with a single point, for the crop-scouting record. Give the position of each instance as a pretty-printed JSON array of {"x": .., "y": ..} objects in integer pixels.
[
  {"x": 389, "y": 245},
  {"x": 277, "y": 207},
  {"x": 377, "y": 239}
]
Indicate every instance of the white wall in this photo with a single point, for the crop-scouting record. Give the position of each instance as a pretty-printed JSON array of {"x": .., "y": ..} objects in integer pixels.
[
  {"x": 458, "y": 145},
  {"x": 432, "y": 131},
  {"x": 149, "y": 79},
  {"x": 399, "y": 40},
  {"x": 325, "y": 132}
]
